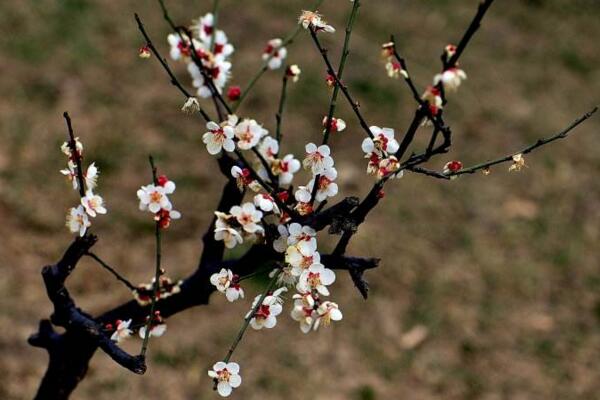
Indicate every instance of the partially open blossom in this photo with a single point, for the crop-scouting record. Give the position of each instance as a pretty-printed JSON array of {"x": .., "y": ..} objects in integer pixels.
[
  {"x": 227, "y": 377},
  {"x": 77, "y": 220},
  {"x": 450, "y": 78},
  {"x": 274, "y": 53},
  {"x": 225, "y": 231},
  {"x": 93, "y": 204},
  {"x": 337, "y": 124},
  {"x": 383, "y": 142},
  {"x": 157, "y": 327},
  {"x": 249, "y": 132},
  {"x": 326, "y": 312},
  {"x": 266, "y": 314},
  {"x": 144, "y": 52},
  {"x": 518, "y": 163},
  {"x": 330, "y": 80},
  {"x": 304, "y": 311},
  {"x": 285, "y": 168},
  {"x": 451, "y": 167},
  {"x": 387, "y": 50},
  {"x": 266, "y": 203},
  {"x": 394, "y": 69},
  {"x": 433, "y": 98},
  {"x": 191, "y": 106},
  {"x": 90, "y": 176},
  {"x": 234, "y": 93},
  {"x": 248, "y": 217},
  {"x": 122, "y": 332},
  {"x": 179, "y": 48},
  {"x": 228, "y": 283},
  {"x": 317, "y": 158},
  {"x": 326, "y": 187},
  {"x": 294, "y": 72},
  {"x": 315, "y": 21},
  {"x": 218, "y": 138},
  {"x": 449, "y": 51},
  {"x": 316, "y": 277}
]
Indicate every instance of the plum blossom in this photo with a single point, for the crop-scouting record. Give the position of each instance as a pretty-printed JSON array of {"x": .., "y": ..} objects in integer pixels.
[
  {"x": 144, "y": 292},
  {"x": 122, "y": 332},
  {"x": 93, "y": 204},
  {"x": 518, "y": 163},
  {"x": 77, "y": 220},
  {"x": 294, "y": 72},
  {"x": 394, "y": 69},
  {"x": 303, "y": 196},
  {"x": 203, "y": 27},
  {"x": 217, "y": 69},
  {"x": 248, "y": 217},
  {"x": 274, "y": 53},
  {"x": 222, "y": 47},
  {"x": 337, "y": 124},
  {"x": 314, "y": 20},
  {"x": 326, "y": 312},
  {"x": 388, "y": 166},
  {"x": 157, "y": 327},
  {"x": 180, "y": 48},
  {"x": 164, "y": 217},
  {"x": 382, "y": 143},
  {"x": 451, "y": 167},
  {"x": 304, "y": 311},
  {"x": 218, "y": 138},
  {"x": 317, "y": 158},
  {"x": 281, "y": 243},
  {"x": 66, "y": 149},
  {"x": 316, "y": 277},
  {"x": 301, "y": 256},
  {"x": 266, "y": 314},
  {"x": 298, "y": 233},
  {"x": 144, "y": 52},
  {"x": 449, "y": 51},
  {"x": 433, "y": 97},
  {"x": 248, "y": 133},
  {"x": 243, "y": 179},
  {"x": 278, "y": 293},
  {"x": 228, "y": 283},
  {"x": 225, "y": 231},
  {"x": 268, "y": 148},
  {"x": 266, "y": 203},
  {"x": 154, "y": 198},
  {"x": 227, "y": 377},
  {"x": 285, "y": 168},
  {"x": 450, "y": 78},
  {"x": 191, "y": 106},
  {"x": 284, "y": 275},
  {"x": 326, "y": 187}
]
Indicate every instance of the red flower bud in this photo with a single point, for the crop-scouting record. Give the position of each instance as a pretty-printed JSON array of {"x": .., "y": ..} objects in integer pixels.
[{"x": 234, "y": 93}]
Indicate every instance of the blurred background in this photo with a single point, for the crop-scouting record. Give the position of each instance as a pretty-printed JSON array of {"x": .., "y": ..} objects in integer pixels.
[{"x": 489, "y": 286}]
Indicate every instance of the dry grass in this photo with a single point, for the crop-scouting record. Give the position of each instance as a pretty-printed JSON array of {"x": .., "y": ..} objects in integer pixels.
[{"x": 501, "y": 270}]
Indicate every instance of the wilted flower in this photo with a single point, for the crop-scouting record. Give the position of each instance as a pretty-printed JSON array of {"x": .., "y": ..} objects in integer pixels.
[
  {"x": 191, "y": 106},
  {"x": 518, "y": 163}
]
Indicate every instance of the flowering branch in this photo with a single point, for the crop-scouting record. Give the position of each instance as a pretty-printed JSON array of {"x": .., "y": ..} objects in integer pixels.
[{"x": 76, "y": 155}]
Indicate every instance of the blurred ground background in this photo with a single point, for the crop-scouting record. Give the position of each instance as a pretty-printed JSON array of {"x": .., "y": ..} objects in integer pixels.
[{"x": 502, "y": 271}]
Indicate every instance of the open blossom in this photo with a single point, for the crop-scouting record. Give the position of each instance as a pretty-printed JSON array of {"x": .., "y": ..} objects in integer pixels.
[
  {"x": 228, "y": 283},
  {"x": 203, "y": 26},
  {"x": 218, "y": 138},
  {"x": 316, "y": 277},
  {"x": 268, "y": 147},
  {"x": 326, "y": 187},
  {"x": 180, "y": 46},
  {"x": 337, "y": 124},
  {"x": 266, "y": 203},
  {"x": 157, "y": 327},
  {"x": 154, "y": 198},
  {"x": 122, "y": 332},
  {"x": 304, "y": 311},
  {"x": 274, "y": 53},
  {"x": 294, "y": 72},
  {"x": 383, "y": 142},
  {"x": 326, "y": 312},
  {"x": 518, "y": 163},
  {"x": 433, "y": 98},
  {"x": 266, "y": 314},
  {"x": 301, "y": 256},
  {"x": 248, "y": 133},
  {"x": 315, "y": 21},
  {"x": 298, "y": 233},
  {"x": 93, "y": 204},
  {"x": 227, "y": 377},
  {"x": 191, "y": 106},
  {"x": 77, "y": 220},
  {"x": 222, "y": 47},
  {"x": 218, "y": 70},
  {"x": 450, "y": 78},
  {"x": 248, "y": 217},
  {"x": 317, "y": 158},
  {"x": 90, "y": 176},
  {"x": 225, "y": 232},
  {"x": 285, "y": 168}
]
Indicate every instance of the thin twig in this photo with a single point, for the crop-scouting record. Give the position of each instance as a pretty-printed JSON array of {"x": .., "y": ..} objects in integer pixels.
[
  {"x": 75, "y": 154},
  {"x": 110, "y": 269},
  {"x": 279, "y": 115}
]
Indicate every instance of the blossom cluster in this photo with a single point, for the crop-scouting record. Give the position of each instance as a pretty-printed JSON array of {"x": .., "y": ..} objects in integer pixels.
[
  {"x": 393, "y": 67},
  {"x": 380, "y": 151},
  {"x": 210, "y": 48},
  {"x": 122, "y": 330},
  {"x": 154, "y": 198},
  {"x": 91, "y": 204}
]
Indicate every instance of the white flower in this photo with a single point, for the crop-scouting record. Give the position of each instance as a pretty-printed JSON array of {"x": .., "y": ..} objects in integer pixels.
[
  {"x": 285, "y": 168},
  {"x": 219, "y": 71},
  {"x": 268, "y": 148},
  {"x": 314, "y": 20},
  {"x": 518, "y": 163},
  {"x": 249, "y": 132},
  {"x": 266, "y": 203},
  {"x": 280, "y": 244},
  {"x": 433, "y": 97},
  {"x": 274, "y": 53},
  {"x": 266, "y": 314},
  {"x": 294, "y": 72},
  {"x": 304, "y": 311},
  {"x": 248, "y": 217},
  {"x": 91, "y": 176},
  {"x": 179, "y": 48},
  {"x": 226, "y": 282},
  {"x": 316, "y": 277},
  {"x": 394, "y": 70},
  {"x": 277, "y": 294},
  {"x": 383, "y": 142},
  {"x": 326, "y": 187},
  {"x": 337, "y": 124},
  {"x": 303, "y": 194},
  {"x": 155, "y": 330},
  {"x": 301, "y": 256},
  {"x": 218, "y": 138},
  {"x": 450, "y": 78},
  {"x": 77, "y": 220},
  {"x": 299, "y": 233},
  {"x": 317, "y": 158},
  {"x": 203, "y": 26},
  {"x": 93, "y": 204},
  {"x": 191, "y": 106},
  {"x": 225, "y": 232},
  {"x": 66, "y": 148},
  {"x": 227, "y": 377},
  {"x": 222, "y": 47},
  {"x": 122, "y": 332},
  {"x": 326, "y": 312},
  {"x": 154, "y": 198}
]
